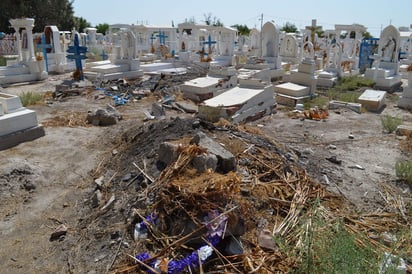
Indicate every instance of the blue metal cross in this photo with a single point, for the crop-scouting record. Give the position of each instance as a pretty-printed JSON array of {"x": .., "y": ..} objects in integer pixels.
[
  {"x": 209, "y": 43},
  {"x": 78, "y": 53},
  {"x": 104, "y": 55},
  {"x": 152, "y": 37},
  {"x": 162, "y": 37},
  {"x": 44, "y": 46}
]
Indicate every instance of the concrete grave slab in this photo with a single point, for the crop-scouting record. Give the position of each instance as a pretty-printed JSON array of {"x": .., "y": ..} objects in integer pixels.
[
  {"x": 372, "y": 100},
  {"x": 292, "y": 89},
  {"x": 239, "y": 104}
]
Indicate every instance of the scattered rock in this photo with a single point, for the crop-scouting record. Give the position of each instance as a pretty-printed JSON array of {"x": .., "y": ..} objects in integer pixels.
[
  {"x": 205, "y": 162},
  {"x": 29, "y": 186},
  {"x": 61, "y": 230},
  {"x": 225, "y": 160},
  {"x": 167, "y": 153},
  {"x": 265, "y": 240},
  {"x": 104, "y": 117},
  {"x": 334, "y": 160},
  {"x": 97, "y": 198},
  {"x": 158, "y": 110}
]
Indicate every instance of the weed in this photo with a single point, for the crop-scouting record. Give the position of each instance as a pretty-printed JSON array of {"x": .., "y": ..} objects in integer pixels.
[
  {"x": 329, "y": 248},
  {"x": 30, "y": 98},
  {"x": 404, "y": 171},
  {"x": 390, "y": 123},
  {"x": 320, "y": 101}
]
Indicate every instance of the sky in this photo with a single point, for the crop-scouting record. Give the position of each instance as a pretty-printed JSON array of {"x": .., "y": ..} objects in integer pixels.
[{"x": 375, "y": 15}]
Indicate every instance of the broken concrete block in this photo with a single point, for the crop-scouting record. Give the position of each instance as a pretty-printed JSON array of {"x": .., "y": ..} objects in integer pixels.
[
  {"x": 404, "y": 130},
  {"x": 356, "y": 107},
  {"x": 104, "y": 117}
]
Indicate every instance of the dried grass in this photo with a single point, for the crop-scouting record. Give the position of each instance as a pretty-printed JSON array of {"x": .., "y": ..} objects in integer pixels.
[{"x": 70, "y": 119}]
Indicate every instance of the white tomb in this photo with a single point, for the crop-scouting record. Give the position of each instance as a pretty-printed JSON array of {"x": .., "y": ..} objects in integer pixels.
[
  {"x": 269, "y": 61},
  {"x": 27, "y": 68},
  {"x": 17, "y": 123},
  {"x": 217, "y": 80},
  {"x": 250, "y": 100},
  {"x": 123, "y": 61},
  {"x": 385, "y": 71},
  {"x": 304, "y": 81},
  {"x": 405, "y": 101}
]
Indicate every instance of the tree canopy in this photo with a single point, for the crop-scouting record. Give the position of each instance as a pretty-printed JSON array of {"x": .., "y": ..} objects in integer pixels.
[
  {"x": 242, "y": 29},
  {"x": 46, "y": 12},
  {"x": 289, "y": 28}
]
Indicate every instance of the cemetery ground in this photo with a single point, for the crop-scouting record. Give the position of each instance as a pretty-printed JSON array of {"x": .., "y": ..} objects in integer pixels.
[{"x": 341, "y": 171}]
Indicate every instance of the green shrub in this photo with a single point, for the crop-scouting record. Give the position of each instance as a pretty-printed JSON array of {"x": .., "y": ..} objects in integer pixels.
[
  {"x": 404, "y": 171},
  {"x": 390, "y": 123},
  {"x": 30, "y": 98}
]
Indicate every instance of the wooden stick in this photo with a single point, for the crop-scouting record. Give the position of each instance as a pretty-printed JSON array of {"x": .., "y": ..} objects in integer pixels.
[{"x": 144, "y": 173}]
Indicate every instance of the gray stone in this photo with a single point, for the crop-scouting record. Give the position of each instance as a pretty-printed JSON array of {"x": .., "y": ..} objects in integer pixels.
[
  {"x": 188, "y": 107},
  {"x": 234, "y": 246},
  {"x": 158, "y": 110},
  {"x": 204, "y": 162},
  {"x": 265, "y": 240},
  {"x": 97, "y": 198},
  {"x": 225, "y": 160},
  {"x": 104, "y": 117},
  {"x": 167, "y": 152}
]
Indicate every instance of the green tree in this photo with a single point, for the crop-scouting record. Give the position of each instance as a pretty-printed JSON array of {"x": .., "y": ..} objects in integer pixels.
[
  {"x": 289, "y": 28},
  {"x": 102, "y": 28},
  {"x": 81, "y": 23},
  {"x": 242, "y": 29},
  {"x": 50, "y": 12},
  {"x": 367, "y": 35}
]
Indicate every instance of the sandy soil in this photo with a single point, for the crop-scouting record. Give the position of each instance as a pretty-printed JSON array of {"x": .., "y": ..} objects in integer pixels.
[{"x": 49, "y": 181}]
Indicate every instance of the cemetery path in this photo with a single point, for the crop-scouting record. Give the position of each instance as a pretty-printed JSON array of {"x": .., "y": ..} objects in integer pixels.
[{"x": 45, "y": 183}]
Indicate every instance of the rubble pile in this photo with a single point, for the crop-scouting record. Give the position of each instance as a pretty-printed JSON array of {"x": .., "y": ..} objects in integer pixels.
[{"x": 177, "y": 216}]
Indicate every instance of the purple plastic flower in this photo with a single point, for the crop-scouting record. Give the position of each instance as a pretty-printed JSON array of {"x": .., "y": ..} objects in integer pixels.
[{"x": 215, "y": 224}]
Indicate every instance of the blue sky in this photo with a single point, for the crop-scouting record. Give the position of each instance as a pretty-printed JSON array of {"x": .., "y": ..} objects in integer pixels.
[{"x": 374, "y": 15}]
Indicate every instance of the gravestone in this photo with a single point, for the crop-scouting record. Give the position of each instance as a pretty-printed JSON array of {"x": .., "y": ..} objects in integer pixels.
[
  {"x": 289, "y": 49},
  {"x": 27, "y": 68},
  {"x": 385, "y": 71},
  {"x": 56, "y": 59},
  {"x": 351, "y": 44},
  {"x": 269, "y": 63},
  {"x": 332, "y": 66}
]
